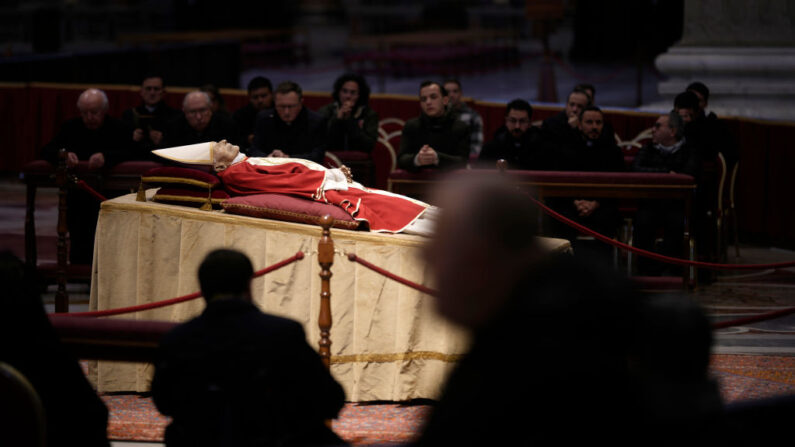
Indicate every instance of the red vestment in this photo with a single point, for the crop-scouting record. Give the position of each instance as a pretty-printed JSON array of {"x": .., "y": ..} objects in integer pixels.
[{"x": 383, "y": 211}]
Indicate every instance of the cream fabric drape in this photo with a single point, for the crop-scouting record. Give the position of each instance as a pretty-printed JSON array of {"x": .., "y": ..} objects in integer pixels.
[{"x": 387, "y": 342}]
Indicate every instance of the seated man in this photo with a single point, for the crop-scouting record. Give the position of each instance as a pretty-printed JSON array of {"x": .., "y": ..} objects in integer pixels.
[
  {"x": 563, "y": 127},
  {"x": 517, "y": 142},
  {"x": 260, "y": 97},
  {"x": 591, "y": 151},
  {"x": 707, "y": 133},
  {"x": 101, "y": 140},
  {"x": 150, "y": 119},
  {"x": 465, "y": 114},
  {"x": 668, "y": 152},
  {"x": 291, "y": 130},
  {"x": 352, "y": 124},
  {"x": 199, "y": 123},
  {"x": 236, "y": 376},
  {"x": 435, "y": 139}
]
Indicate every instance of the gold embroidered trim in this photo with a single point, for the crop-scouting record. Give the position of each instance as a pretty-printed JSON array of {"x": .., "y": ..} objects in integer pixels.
[
  {"x": 169, "y": 197},
  {"x": 397, "y": 357},
  {"x": 278, "y": 212},
  {"x": 186, "y": 181}
]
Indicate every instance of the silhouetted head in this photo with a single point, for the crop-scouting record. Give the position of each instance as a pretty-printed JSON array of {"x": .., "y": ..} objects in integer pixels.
[
  {"x": 484, "y": 242},
  {"x": 226, "y": 273},
  {"x": 260, "y": 93},
  {"x": 686, "y": 105}
]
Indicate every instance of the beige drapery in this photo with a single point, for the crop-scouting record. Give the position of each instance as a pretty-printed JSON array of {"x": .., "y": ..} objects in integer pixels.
[{"x": 387, "y": 342}]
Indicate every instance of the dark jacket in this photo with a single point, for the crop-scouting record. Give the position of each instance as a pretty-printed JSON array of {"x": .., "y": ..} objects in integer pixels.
[
  {"x": 221, "y": 127},
  {"x": 523, "y": 153},
  {"x": 245, "y": 118},
  {"x": 357, "y": 133},
  {"x": 448, "y": 136},
  {"x": 303, "y": 138},
  {"x": 113, "y": 139},
  {"x": 237, "y": 376},
  {"x": 651, "y": 159},
  {"x": 141, "y": 118}
]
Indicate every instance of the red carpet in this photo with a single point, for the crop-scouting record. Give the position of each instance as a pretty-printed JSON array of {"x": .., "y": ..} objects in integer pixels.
[{"x": 741, "y": 377}]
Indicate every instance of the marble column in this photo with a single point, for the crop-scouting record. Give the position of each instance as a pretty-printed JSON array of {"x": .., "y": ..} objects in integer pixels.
[{"x": 743, "y": 50}]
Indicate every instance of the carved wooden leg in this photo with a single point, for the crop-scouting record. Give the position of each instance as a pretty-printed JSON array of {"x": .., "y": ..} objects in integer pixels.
[{"x": 325, "y": 257}]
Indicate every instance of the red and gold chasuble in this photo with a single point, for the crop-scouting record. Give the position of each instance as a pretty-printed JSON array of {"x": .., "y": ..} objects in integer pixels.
[{"x": 383, "y": 211}]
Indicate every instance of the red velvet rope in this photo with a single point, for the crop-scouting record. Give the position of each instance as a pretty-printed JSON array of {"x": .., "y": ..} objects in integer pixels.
[
  {"x": 390, "y": 275},
  {"x": 123, "y": 310},
  {"x": 85, "y": 187},
  {"x": 652, "y": 255},
  {"x": 754, "y": 319}
]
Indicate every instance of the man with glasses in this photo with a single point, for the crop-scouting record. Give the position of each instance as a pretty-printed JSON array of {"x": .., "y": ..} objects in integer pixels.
[
  {"x": 149, "y": 120},
  {"x": 517, "y": 142},
  {"x": 198, "y": 124},
  {"x": 290, "y": 130}
]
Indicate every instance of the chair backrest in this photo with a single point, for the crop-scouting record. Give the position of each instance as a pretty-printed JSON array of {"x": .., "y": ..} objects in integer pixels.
[
  {"x": 721, "y": 181},
  {"x": 385, "y": 161},
  {"x": 21, "y": 411},
  {"x": 733, "y": 182}
]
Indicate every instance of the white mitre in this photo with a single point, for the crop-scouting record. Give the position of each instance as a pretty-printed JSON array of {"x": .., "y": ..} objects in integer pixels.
[{"x": 194, "y": 154}]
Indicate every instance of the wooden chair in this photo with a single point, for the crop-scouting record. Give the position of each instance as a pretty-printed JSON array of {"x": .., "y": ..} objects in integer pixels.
[
  {"x": 21, "y": 410},
  {"x": 726, "y": 207}
]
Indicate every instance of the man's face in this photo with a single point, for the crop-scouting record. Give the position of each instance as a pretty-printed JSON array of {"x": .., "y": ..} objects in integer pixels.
[
  {"x": 576, "y": 102},
  {"x": 517, "y": 122},
  {"x": 197, "y": 112},
  {"x": 92, "y": 111},
  {"x": 261, "y": 98},
  {"x": 591, "y": 124},
  {"x": 662, "y": 132},
  {"x": 224, "y": 154},
  {"x": 349, "y": 93},
  {"x": 702, "y": 102},
  {"x": 431, "y": 100},
  {"x": 288, "y": 106},
  {"x": 152, "y": 91},
  {"x": 687, "y": 114},
  {"x": 453, "y": 93}
]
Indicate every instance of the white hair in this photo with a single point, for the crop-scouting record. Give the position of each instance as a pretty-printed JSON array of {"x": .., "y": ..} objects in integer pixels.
[
  {"x": 93, "y": 91},
  {"x": 204, "y": 94}
]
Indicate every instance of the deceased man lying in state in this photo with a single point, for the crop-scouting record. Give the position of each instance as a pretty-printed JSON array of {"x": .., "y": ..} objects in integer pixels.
[{"x": 382, "y": 210}]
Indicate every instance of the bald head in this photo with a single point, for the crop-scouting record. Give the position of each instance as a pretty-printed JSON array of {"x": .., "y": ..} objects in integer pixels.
[
  {"x": 197, "y": 107},
  {"x": 93, "y": 105}
]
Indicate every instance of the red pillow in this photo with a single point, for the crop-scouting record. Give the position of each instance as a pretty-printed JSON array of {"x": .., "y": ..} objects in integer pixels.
[
  {"x": 205, "y": 199},
  {"x": 288, "y": 208}
]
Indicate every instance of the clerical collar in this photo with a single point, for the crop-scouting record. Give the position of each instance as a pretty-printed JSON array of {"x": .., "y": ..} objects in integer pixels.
[{"x": 150, "y": 109}]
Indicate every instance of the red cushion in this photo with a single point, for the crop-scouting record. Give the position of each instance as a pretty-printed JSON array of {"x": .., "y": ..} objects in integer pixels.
[
  {"x": 189, "y": 197},
  {"x": 288, "y": 208},
  {"x": 185, "y": 177}
]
